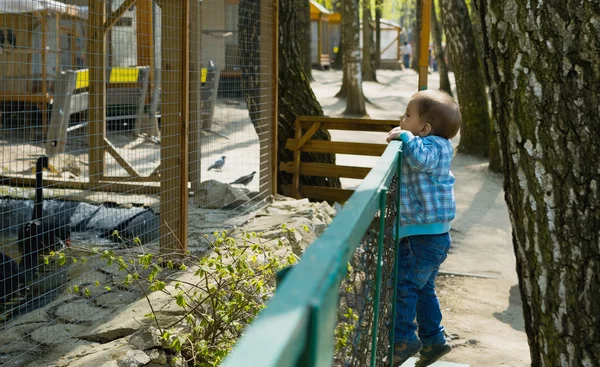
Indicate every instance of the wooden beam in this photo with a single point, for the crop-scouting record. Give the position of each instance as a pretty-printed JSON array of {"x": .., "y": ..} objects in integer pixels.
[
  {"x": 105, "y": 186},
  {"x": 337, "y": 147},
  {"x": 195, "y": 122},
  {"x": 44, "y": 72},
  {"x": 296, "y": 164},
  {"x": 424, "y": 43},
  {"x": 267, "y": 84},
  {"x": 115, "y": 15},
  {"x": 144, "y": 35},
  {"x": 325, "y": 170},
  {"x": 185, "y": 126},
  {"x": 326, "y": 193},
  {"x": 309, "y": 134},
  {"x": 275, "y": 97},
  {"x": 96, "y": 59},
  {"x": 120, "y": 160}
]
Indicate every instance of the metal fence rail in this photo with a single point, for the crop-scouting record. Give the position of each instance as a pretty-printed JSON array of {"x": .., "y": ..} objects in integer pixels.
[{"x": 335, "y": 307}]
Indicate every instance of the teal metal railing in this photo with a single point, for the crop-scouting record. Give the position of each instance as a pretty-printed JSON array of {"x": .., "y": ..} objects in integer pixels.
[{"x": 335, "y": 306}]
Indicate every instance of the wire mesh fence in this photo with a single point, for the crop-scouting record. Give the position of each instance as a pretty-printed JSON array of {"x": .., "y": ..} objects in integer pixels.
[
  {"x": 367, "y": 295},
  {"x": 122, "y": 123}
]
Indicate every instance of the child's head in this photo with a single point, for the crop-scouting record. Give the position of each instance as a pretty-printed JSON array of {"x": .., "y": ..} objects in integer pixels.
[{"x": 431, "y": 112}]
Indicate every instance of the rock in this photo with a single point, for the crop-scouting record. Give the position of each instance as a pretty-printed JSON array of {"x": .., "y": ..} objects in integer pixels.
[
  {"x": 108, "y": 332},
  {"x": 110, "y": 364},
  {"x": 80, "y": 311},
  {"x": 318, "y": 227},
  {"x": 308, "y": 213},
  {"x": 214, "y": 194},
  {"x": 274, "y": 234},
  {"x": 337, "y": 207},
  {"x": 157, "y": 356},
  {"x": 177, "y": 361},
  {"x": 266, "y": 223},
  {"x": 276, "y": 211},
  {"x": 327, "y": 209},
  {"x": 56, "y": 334},
  {"x": 290, "y": 204},
  {"x": 134, "y": 358},
  {"x": 115, "y": 298},
  {"x": 146, "y": 338}
]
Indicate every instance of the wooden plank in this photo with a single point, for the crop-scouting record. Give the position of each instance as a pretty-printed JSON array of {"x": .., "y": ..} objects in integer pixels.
[
  {"x": 105, "y": 186},
  {"x": 275, "y": 98},
  {"x": 266, "y": 84},
  {"x": 171, "y": 124},
  {"x": 354, "y": 126},
  {"x": 115, "y": 15},
  {"x": 96, "y": 58},
  {"x": 296, "y": 163},
  {"x": 325, "y": 170},
  {"x": 44, "y": 71},
  {"x": 61, "y": 111},
  {"x": 143, "y": 92},
  {"x": 145, "y": 36},
  {"x": 195, "y": 149},
  {"x": 424, "y": 43},
  {"x": 309, "y": 134},
  {"x": 326, "y": 119},
  {"x": 34, "y": 98},
  {"x": 120, "y": 160},
  {"x": 337, "y": 147},
  {"x": 151, "y": 178},
  {"x": 185, "y": 127},
  {"x": 325, "y": 193}
]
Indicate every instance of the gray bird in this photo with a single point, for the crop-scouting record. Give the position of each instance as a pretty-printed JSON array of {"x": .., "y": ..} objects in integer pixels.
[
  {"x": 219, "y": 163},
  {"x": 244, "y": 180}
]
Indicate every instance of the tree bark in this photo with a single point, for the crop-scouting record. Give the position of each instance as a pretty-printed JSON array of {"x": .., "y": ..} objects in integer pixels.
[
  {"x": 304, "y": 35},
  {"x": 355, "y": 100},
  {"x": 296, "y": 98},
  {"x": 544, "y": 71},
  {"x": 469, "y": 76},
  {"x": 416, "y": 37},
  {"x": 368, "y": 70},
  {"x": 439, "y": 51},
  {"x": 248, "y": 39},
  {"x": 378, "y": 15}
]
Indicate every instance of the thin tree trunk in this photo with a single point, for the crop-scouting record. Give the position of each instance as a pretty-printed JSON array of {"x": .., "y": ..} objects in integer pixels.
[
  {"x": 469, "y": 76},
  {"x": 416, "y": 37},
  {"x": 355, "y": 100},
  {"x": 248, "y": 38},
  {"x": 296, "y": 98},
  {"x": 544, "y": 71},
  {"x": 304, "y": 35},
  {"x": 368, "y": 72},
  {"x": 378, "y": 14},
  {"x": 439, "y": 51}
]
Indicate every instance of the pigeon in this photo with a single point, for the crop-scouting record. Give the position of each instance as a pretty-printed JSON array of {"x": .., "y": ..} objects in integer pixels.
[
  {"x": 219, "y": 163},
  {"x": 10, "y": 37},
  {"x": 244, "y": 180}
]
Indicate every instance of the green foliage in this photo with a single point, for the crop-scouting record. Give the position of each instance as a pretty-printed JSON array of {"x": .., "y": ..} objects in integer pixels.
[{"x": 230, "y": 287}]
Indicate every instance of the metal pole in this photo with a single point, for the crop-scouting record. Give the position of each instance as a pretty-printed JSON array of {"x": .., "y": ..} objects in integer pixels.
[
  {"x": 396, "y": 260},
  {"x": 424, "y": 43}
]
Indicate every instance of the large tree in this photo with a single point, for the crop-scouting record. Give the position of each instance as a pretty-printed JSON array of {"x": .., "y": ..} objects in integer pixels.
[
  {"x": 368, "y": 49},
  {"x": 378, "y": 15},
  {"x": 296, "y": 98},
  {"x": 304, "y": 35},
  {"x": 416, "y": 36},
  {"x": 469, "y": 76},
  {"x": 543, "y": 66},
  {"x": 352, "y": 78},
  {"x": 436, "y": 32}
]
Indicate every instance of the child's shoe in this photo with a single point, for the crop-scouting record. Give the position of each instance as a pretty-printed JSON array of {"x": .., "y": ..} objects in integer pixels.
[
  {"x": 403, "y": 351},
  {"x": 432, "y": 353}
]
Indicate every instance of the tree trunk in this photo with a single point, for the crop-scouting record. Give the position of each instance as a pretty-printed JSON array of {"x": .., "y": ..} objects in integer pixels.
[
  {"x": 469, "y": 76},
  {"x": 544, "y": 71},
  {"x": 378, "y": 14},
  {"x": 355, "y": 100},
  {"x": 296, "y": 98},
  {"x": 439, "y": 51},
  {"x": 304, "y": 35},
  {"x": 248, "y": 39},
  {"x": 368, "y": 72},
  {"x": 416, "y": 37}
]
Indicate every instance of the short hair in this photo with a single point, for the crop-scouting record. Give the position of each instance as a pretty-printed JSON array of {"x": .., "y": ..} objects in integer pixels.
[{"x": 440, "y": 111}]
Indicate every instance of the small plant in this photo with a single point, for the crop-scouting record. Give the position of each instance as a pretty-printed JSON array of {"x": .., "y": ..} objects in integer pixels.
[{"x": 230, "y": 287}]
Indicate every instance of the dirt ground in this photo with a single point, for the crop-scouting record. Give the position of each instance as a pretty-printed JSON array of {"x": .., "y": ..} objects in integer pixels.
[{"x": 484, "y": 313}]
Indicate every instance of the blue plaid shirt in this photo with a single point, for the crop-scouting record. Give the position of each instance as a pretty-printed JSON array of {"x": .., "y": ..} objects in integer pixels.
[{"x": 427, "y": 203}]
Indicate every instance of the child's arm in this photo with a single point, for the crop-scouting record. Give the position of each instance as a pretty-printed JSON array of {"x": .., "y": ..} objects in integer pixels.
[{"x": 421, "y": 157}]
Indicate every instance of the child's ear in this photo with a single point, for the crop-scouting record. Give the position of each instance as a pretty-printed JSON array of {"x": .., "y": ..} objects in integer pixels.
[{"x": 425, "y": 130}]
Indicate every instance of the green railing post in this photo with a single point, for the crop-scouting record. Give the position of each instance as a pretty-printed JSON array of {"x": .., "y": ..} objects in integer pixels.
[
  {"x": 382, "y": 206},
  {"x": 396, "y": 254}
]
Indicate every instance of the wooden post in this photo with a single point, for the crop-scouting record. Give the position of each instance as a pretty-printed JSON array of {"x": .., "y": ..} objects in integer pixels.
[
  {"x": 44, "y": 72},
  {"x": 268, "y": 85},
  {"x": 96, "y": 59},
  {"x": 424, "y": 44},
  {"x": 195, "y": 150},
  {"x": 174, "y": 134},
  {"x": 144, "y": 34},
  {"x": 275, "y": 89}
]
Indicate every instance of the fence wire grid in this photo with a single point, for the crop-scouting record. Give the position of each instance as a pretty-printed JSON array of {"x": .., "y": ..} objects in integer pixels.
[{"x": 120, "y": 126}]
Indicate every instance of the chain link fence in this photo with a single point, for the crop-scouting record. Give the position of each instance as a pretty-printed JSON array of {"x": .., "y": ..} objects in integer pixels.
[{"x": 122, "y": 123}]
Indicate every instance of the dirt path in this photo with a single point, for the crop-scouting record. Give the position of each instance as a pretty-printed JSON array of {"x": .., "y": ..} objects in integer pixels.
[{"x": 485, "y": 313}]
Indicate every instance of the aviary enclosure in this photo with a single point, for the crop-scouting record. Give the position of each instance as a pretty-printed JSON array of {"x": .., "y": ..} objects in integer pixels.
[{"x": 124, "y": 122}]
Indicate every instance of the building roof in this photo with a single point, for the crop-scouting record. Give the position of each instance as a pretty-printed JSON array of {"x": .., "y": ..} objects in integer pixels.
[{"x": 320, "y": 8}]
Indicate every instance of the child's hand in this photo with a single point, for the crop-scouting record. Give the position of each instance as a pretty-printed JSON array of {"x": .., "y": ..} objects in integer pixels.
[{"x": 394, "y": 134}]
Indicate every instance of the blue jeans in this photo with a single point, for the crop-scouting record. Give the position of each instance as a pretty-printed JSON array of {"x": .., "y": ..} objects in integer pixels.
[
  {"x": 419, "y": 261},
  {"x": 406, "y": 61}
]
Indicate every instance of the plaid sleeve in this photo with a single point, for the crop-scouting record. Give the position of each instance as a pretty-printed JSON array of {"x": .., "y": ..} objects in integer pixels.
[{"x": 421, "y": 156}]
